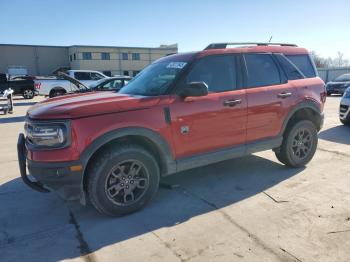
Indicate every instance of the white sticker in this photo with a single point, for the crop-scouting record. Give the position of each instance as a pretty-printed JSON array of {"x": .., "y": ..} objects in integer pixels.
[{"x": 178, "y": 65}]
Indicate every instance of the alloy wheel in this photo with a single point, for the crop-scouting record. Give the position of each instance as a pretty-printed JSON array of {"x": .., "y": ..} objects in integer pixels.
[
  {"x": 127, "y": 182},
  {"x": 301, "y": 143}
]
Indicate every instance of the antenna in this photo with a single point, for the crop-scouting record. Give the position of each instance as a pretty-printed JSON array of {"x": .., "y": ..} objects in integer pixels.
[{"x": 270, "y": 39}]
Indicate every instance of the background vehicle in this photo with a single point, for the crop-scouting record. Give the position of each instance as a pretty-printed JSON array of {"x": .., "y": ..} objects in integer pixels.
[
  {"x": 20, "y": 86},
  {"x": 182, "y": 111},
  {"x": 57, "y": 86},
  {"x": 114, "y": 83},
  {"x": 344, "y": 108},
  {"x": 338, "y": 85}
]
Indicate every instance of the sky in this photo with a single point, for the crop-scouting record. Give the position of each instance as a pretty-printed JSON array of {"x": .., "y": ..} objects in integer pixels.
[{"x": 322, "y": 26}]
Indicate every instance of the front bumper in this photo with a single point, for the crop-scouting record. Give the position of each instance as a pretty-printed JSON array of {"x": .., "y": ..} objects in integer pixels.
[
  {"x": 57, "y": 177},
  {"x": 344, "y": 109},
  {"x": 321, "y": 121}
]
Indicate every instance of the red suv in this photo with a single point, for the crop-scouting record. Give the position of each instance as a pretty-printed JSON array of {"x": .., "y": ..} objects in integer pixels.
[{"x": 182, "y": 111}]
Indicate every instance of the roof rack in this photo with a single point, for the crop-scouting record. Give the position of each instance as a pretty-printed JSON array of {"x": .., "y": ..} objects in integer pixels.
[{"x": 224, "y": 45}]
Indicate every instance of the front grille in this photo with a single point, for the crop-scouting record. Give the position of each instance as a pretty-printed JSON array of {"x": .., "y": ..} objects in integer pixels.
[{"x": 343, "y": 108}]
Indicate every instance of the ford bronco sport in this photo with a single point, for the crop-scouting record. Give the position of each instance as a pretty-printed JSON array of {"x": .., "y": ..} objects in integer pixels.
[{"x": 182, "y": 111}]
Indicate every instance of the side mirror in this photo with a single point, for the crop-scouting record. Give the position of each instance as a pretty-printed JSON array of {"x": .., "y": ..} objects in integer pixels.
[{"x": 195, "y": 89}]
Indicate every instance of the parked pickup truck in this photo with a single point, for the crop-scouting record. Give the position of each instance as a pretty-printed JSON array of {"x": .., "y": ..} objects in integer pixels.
[
  {"x": 23, "y": 86},
  {"x": 56, "y": 86}
]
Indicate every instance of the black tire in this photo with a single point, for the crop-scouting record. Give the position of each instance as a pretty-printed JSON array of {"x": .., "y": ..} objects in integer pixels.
[
  {"x": 28, "y": 93},
  {"x": 296, "y": 149},
  {"x": 105, "y": 179},
  {"x": 56, "y": 92},
  {"x": 345, "y": 122}
]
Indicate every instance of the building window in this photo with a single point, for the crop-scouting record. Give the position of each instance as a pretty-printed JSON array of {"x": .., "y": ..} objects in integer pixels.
[
  {"x": 135, "y": 56},
  {"x": 105, "y": 56},
  {"x": 70, "y": 58},
  {"x": 125, "y": 56},
  {"x": 87, "y": 56},
  {"x": 107, "y": 73},
  {"x": 134, "y": 73},
  {"x": 74, "y": 56},
  {"x": 126, "y": 73}
]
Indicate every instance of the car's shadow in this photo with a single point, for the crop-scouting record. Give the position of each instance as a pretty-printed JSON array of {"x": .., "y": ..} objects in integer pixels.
[
  {"x": 24, "y": 103},
  {"x": 14, "y": 119},
  {"x": 200, "y": 190},
  {"x": 338, "y": 134}
]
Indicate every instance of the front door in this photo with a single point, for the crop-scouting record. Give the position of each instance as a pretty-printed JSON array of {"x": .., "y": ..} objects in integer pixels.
[{"x": 215, "y": 121}]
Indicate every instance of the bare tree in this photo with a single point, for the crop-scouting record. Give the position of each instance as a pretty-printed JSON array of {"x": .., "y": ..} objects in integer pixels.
[{"x": 322, "y": 62}]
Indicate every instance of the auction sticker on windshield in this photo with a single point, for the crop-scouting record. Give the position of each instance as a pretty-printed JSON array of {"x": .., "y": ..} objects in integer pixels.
[{"x": 178, "y": 65}]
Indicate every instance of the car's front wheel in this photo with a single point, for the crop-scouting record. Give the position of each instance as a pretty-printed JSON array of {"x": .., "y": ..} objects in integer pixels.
[
  {"x": 299, "y": 144},
  {"x": 345, "y": 121},
  {"x": 122, "y": 180}
]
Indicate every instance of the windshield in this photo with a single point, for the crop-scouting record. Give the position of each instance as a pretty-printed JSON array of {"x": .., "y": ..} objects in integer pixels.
[
  {"x": 154, "y": 79},
  {"x": 343, "y": 78},
  {"x": 97, "y": 83}
]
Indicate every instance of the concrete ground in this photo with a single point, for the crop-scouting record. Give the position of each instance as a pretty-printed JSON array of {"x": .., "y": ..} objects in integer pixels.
[{"x": 247, "y": 209}]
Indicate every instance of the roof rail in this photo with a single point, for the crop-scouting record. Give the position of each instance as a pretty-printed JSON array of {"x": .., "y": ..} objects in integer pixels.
[{"x": 224, "y": 45}]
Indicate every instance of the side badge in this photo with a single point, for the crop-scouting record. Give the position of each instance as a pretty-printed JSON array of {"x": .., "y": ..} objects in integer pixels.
[{"x": 185, "y": 130}]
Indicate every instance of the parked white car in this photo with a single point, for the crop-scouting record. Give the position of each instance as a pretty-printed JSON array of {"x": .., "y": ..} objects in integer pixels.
[
  {"x": 54, "y": 86},
  {"x": 344, "y": 109}
]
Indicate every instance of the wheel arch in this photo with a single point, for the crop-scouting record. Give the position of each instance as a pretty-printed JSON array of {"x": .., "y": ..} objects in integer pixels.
[
  {"x": 147, "y": 138},
  {"x": 305, "y": 110},
  {"x": 58, "y": 88}
]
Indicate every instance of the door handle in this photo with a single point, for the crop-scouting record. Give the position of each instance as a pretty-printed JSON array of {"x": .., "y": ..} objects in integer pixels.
[
  {"x": 284, "y": 95},
  {"x": 232, "y": 103}
]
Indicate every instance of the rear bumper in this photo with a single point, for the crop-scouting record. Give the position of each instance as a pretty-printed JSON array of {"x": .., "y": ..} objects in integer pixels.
[{"x": 50, "y": 176}]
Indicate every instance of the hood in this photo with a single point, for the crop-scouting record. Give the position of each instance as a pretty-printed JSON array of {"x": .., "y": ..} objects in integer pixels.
[{"x": 88, "y": 104}]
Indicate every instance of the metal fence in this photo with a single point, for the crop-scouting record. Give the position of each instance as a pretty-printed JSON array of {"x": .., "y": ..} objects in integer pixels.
[{"x": 328, "y": 74}]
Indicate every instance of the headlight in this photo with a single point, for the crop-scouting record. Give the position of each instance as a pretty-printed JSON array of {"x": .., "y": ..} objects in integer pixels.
[{"x": 47, "y": 135}]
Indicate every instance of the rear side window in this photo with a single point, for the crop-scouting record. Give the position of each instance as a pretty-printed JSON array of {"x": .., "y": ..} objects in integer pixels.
[
  {"x": 304, "y": 64},
  {"x": 261, "y": 70},
  {"x": 82, "y": 75},
  {"x": 292, "y": 72},
  {"x": 218, "y": 72},
  {"x": 95, "y": 76}
]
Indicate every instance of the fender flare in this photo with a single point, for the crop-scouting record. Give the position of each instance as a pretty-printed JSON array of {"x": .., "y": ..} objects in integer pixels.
[
  {"x": 160, "y": 143},
  {"x": 306, "y": 104}
]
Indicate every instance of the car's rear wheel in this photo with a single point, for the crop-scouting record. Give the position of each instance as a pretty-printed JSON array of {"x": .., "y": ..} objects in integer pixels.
[
  {"x": 122, "y": 180},
  {"x": 57, "y": 92},
  {"x": 299, "y": 144},
  {"x": 28, "y": 93}
]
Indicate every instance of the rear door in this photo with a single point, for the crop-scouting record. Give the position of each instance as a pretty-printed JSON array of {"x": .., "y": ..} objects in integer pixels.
[
  {"x": 269, "y": 96},
  {"x": 217, "y": 120}
]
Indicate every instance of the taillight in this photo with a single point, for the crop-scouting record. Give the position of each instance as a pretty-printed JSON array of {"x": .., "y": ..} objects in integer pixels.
[{"x": 37, "y": 85}]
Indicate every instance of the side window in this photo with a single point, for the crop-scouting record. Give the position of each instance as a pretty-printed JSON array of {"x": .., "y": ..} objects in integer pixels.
[
  {"x": 114, "y": 84},
  {"x": 292, "y": 72},
  {"x": 96, "y": 76},
  {"x": 82, "y": 75},
  {"x": 303, "y": 62},
  {"x": 87, "y": 56},
  {"x": 261, "y": 70},
  {"x": 218, "y": 72},
  {"x": 125, "y": 56}
]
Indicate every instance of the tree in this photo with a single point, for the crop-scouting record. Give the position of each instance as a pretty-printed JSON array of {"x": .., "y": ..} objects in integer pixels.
[{"x": 322, "y": 62}]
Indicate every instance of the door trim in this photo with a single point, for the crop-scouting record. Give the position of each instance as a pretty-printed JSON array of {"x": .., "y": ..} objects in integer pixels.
[{"x": 228, "y": 153}]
